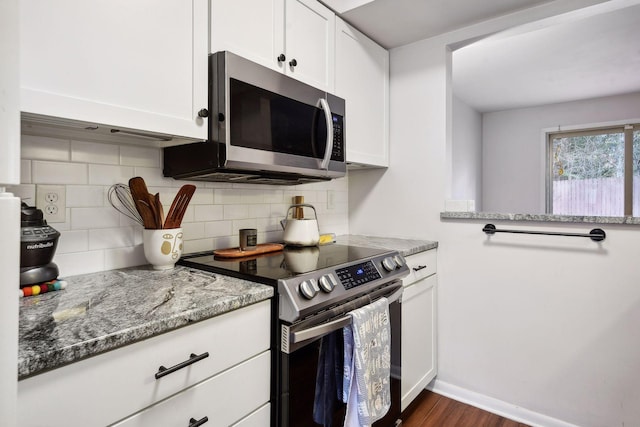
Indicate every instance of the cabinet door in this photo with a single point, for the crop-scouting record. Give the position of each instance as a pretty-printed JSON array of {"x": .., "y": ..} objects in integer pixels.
[
  {"x": 310, "y": 41},
  {"x": 138, "y": 64},
  {"x": 362, "y": 79},
  {"x": 253, "y": 29},
  {"x": 418, "y": 338}
]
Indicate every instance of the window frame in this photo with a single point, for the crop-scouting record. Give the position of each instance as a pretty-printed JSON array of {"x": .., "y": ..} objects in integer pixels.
[{"x": 626, "y": 129}]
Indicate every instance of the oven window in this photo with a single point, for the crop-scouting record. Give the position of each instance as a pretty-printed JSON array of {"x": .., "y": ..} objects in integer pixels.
[{"x": 264, "y": 120}]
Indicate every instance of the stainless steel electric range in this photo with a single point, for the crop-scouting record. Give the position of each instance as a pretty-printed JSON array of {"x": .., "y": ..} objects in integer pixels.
[{"x": 316, "y": 288}]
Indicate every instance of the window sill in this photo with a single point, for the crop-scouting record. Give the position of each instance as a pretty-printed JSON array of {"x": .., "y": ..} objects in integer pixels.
[{"x": 541, "y": 218}]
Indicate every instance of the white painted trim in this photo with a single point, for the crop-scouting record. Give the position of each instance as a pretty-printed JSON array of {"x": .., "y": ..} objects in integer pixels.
[{"x": 496, "y": 406}]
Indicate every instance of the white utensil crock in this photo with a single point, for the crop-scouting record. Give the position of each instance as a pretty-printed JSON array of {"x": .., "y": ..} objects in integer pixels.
[{"x": 162, "y": 247}]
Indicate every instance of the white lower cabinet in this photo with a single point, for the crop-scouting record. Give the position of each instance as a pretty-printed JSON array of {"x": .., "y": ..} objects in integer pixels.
[
  {"x": 419, "y": 351},
  {"x": 222, "y": 399},
  {"x": 120, "y": 386}
]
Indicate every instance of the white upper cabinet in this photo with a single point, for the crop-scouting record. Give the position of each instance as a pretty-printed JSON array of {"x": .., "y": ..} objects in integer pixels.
[
  {"x": 138, "y": 64},
  {"x": 295, "y": 37},
  {"x": 362, "y": 79}
]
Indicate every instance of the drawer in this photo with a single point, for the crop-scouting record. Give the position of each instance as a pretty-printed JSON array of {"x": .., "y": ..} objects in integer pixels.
[
  {"x": 108, "y": 387},
  {"x": 421, "y": 265},
  {"x": 224, "y": 399},
  {"x": 260, "y": 418}
]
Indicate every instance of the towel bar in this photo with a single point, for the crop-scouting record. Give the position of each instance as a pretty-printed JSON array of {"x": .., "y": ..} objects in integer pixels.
[{"x": 597, "y": 234}]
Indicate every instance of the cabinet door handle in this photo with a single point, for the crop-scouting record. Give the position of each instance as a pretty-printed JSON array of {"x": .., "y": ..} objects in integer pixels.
[
  {"x": 193, "y": 358},
  {"x": 195, "y": 423},
  {"x": 203, "y": 113},
  {"x": 281, "y": 58},
  {"x": 420, "y": 267},
  {"x": 293, "y": 62}
]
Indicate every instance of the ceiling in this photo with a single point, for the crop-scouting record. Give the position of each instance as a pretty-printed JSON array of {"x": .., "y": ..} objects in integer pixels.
[
  {"x": 583, "y": 55},
  {"x": 393, "y": 23}
]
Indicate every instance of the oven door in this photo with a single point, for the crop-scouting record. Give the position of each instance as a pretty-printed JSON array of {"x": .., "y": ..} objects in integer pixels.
[{"x": 300, "y": 357}]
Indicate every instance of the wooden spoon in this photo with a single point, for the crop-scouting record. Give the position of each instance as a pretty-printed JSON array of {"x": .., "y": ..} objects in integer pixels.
[{"x": 140, "y": 196}]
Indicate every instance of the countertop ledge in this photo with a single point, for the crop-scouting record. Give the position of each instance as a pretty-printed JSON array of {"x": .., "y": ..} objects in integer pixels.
[
  {"x": 541, "y": 218},
  {"x": 102, "y": 311},
  {"x": 406, "y": 247}
]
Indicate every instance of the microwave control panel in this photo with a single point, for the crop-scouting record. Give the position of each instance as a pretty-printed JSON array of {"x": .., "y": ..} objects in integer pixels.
[{"x": 338, "y": 139}]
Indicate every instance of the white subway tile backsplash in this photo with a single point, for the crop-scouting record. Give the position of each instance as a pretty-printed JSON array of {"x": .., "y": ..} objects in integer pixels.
[
  {"x": 85, "y": 196},
  {"x": 218, "y": 228},
  {"x": 75, "y": 263},
  {"x": 93, "y": 152},
  {"x": 198, "y": 245},
  {"x": 236, "y": 211},
  {"x": 244, "y": 223},
  {"x": 25, "y": 171},
  {"x": 124, "y": 257},
  {"x": 109, "y": 175},
  {"x": 193, "y": 230},
  {"x": 259, "y": 211},
  {"x": 26, "y": 193},
  {"x": 109, "y": 238},
  {"x": 44, "y": 148},
  {"x": 132, "y": 155},
  {"x": 207, "y": 212},
  {"x": 226, "y": 196},
  {"x": 43, "y": 172},
  {"x": 96, "y": 237},
  {"x": 73, "y": 241},
  {"x": 92, "y": 218}
]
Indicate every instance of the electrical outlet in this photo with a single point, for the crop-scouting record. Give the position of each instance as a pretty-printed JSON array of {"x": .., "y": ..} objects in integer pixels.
[{"x": 51, "y": 199}]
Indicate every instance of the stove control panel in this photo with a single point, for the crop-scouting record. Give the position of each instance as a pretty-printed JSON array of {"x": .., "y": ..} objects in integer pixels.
[{"x": 358, "y": 274}]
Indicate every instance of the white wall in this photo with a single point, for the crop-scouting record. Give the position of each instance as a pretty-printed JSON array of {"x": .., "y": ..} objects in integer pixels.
[
  {"x": 466, "y": 153},
  {"x": 95, "y": 237},
  {"x": 541, "y": 328},
  {"x": 514, "y": 147}
]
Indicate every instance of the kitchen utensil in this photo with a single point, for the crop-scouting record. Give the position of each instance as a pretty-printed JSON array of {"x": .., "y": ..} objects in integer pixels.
[
  {"x": 140, "y": 195},
  {"x": 38, "y": 242},
  {"x": 301, "y": 232},
  {"x": 162, "y": 247},
  {"x": 179, "y": 206},
  {"x": 298, "y": 212},
  {"x": 160, "y": 209},
  {"x": 120, "y": 198}
]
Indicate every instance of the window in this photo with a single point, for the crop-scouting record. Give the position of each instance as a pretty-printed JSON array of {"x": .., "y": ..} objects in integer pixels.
[{"x": 594, "y": 172}]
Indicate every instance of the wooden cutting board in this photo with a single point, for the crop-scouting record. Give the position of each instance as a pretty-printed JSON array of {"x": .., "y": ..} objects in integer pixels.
[{"x": 261, "y": 248}]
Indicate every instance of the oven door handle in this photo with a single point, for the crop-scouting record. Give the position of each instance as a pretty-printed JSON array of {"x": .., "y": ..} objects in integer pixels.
[{"x": 334, "y": 325}]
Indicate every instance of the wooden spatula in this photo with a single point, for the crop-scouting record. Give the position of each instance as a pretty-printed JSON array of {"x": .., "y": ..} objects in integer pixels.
[{"x": 179, "y": 206}]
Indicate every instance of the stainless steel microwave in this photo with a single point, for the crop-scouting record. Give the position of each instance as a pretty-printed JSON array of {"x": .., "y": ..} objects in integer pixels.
[{"x": 264, "y": 127}]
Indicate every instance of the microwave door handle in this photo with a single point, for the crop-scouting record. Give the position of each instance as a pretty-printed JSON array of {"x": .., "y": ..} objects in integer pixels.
[{"x": 322, "y": 103}]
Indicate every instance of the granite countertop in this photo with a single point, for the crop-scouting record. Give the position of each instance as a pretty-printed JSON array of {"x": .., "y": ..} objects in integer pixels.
[
  {"x": 102, "y": 311},
  {"x": 406, "y": 247},
  {"x": 542, "y": 218}
]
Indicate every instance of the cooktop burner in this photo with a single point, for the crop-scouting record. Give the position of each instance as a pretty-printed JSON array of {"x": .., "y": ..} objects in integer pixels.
[
  {"x": 290, "y": 262},
  {"x": 308, "y": 280}
]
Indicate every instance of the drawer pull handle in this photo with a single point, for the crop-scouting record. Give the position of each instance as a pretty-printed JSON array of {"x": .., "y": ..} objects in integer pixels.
[
  {"x": 193, "y": 358},
  {"x": 195, "y": 423},
  {"x": 420, "y": 267}
]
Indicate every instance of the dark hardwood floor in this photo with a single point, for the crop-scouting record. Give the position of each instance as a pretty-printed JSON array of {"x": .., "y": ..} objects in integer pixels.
[{"x": 433, "y": 410}]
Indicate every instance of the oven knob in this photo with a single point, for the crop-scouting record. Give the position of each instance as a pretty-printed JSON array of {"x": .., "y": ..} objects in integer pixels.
[
  {"x": 389, "y": 264},
  {"x": 399, "y": 260},
  {"x": 327, "y": 283},
  {"x": 307, "y": 289}
]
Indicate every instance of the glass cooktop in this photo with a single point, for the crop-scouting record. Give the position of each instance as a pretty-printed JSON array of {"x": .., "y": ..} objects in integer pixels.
[{"x": 269, "y": 268}]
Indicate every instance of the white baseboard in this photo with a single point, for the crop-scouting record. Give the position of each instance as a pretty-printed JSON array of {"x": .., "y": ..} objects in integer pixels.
[{"x": 498, "y": 407}]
